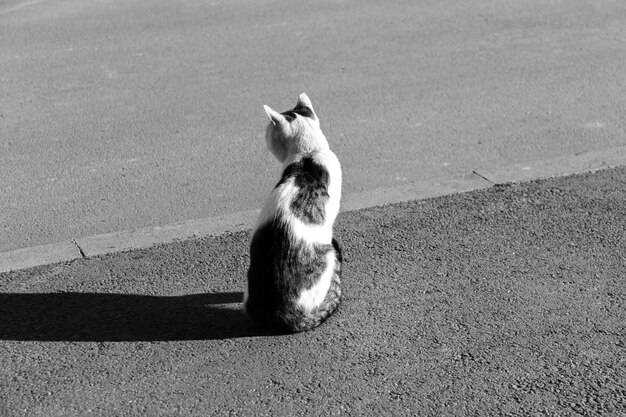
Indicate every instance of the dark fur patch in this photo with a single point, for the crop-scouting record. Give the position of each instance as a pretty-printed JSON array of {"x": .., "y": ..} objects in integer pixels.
[
  {"x": 280, "y": 269},
  {"x": 311, "y": 179},
  {"x": 337, "y": 250},
  {"x": 301, "y": 110}
]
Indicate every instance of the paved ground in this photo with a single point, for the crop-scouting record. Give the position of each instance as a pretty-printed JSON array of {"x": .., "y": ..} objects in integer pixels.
[
  {"x": 123, "y": 114},
  {"x": 505, "y": 301}
]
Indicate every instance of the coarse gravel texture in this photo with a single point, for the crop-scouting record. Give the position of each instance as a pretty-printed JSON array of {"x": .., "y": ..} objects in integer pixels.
[{"x": 505, "y": 301}]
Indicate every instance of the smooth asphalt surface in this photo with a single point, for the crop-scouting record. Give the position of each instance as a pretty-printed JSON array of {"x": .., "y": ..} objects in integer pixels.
[
  {"x": 116, "y": 115},
  {"x": 504, "y": 301}
]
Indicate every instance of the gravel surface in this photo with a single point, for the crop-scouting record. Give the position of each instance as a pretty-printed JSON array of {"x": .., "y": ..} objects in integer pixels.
[{"x": 505, "y": 301}]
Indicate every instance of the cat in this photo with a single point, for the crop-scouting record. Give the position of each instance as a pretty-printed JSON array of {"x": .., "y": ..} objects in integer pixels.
[{"x": 295, "y": 262}]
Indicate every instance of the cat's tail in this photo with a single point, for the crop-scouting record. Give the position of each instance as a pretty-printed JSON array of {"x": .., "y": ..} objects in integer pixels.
[{"x": 299, "y": 321}]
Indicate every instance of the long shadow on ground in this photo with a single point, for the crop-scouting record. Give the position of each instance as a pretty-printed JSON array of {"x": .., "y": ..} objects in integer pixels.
[{"x": 122, "y": 317}]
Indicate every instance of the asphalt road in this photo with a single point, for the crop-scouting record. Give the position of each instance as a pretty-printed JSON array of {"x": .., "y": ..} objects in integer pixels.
[
  {"x": 504, "y": 301},
  {"x": 123, "y": 114}
]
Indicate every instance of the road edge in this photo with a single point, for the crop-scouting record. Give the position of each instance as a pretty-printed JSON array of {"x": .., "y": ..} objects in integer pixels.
[{"x": 141, "y": 238}]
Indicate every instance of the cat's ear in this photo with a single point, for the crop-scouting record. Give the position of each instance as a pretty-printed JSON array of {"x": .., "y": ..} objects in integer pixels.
[
  {"x": 304, "y": 102},
  {"x": 275, "y": 117}
]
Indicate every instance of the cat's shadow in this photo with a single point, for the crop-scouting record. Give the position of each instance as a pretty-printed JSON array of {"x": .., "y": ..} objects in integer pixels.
[{"x": 104, "y": 317}]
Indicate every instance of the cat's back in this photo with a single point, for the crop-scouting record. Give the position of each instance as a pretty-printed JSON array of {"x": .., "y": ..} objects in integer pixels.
[{"x": 310, "y": 188}]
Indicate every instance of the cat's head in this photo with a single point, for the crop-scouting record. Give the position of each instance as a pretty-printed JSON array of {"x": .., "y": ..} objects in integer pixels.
[{"x": 294, "y": 131}]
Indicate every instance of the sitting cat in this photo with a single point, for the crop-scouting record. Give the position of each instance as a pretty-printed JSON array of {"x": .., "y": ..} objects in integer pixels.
[{"x": 295, "y": 263}]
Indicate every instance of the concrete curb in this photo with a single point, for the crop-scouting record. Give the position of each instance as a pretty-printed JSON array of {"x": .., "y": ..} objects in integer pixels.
[
  {"x": 149, "y": 236},
  {"x": 38, "y": 255},
  {"x": 561, "y": 166},
  {"x": 212, "y": 226}
]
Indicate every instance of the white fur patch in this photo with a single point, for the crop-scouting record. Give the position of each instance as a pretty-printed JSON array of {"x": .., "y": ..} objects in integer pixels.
[
  {"x": 329, "y": 160},
  {"x": 311, "y": 233},
  {"x": 314, "y": 296},
  {"x": 278, "y": 202}
]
